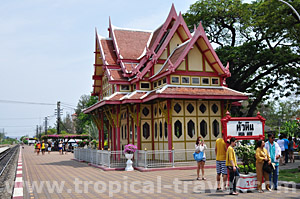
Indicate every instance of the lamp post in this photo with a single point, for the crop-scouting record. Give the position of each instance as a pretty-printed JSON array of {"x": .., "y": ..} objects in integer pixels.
[{"x": 291, "y": 8}]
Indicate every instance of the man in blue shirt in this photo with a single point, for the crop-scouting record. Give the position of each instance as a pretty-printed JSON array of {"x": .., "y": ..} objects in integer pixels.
[
  {"x": 274, "y": 152},
  {"x": 286, "y": 146}
]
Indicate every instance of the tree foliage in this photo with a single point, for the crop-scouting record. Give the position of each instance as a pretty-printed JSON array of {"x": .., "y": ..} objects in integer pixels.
[
  {"x": 284, "y": 115},
  {"x": 260, "y": 41},
  {"x": 82, "y": 119}
]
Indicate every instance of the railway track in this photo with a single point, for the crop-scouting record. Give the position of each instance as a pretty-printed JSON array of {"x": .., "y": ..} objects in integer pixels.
[{"x": 6, "y": 157}]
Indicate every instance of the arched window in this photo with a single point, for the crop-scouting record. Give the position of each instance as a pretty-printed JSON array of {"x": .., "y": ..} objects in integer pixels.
[
  {"x": 160, "y": 130},
  {"x": 203, "y": 128},
  {"x": 166, "y": 130},
  {"x": 191, "y": 128},
  {"x": 146, "y": 130},
  {"x": 216, "y": 130},
  {"x": 178, "y": 129},
  {"x": 155, "y": 130}
]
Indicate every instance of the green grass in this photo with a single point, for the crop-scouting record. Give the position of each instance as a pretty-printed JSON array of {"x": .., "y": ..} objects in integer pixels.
[{"x": 289, "y": 175}]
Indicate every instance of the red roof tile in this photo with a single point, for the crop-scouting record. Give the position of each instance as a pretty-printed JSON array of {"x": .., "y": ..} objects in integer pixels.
[
  {"x": 117, "y": 96},
  {"x": 130, "y": 66},
  {"x": 137, "y": 95},
  {"x": 117, "y": 75},
  {"x": 154, "y": 36},
  {"x": 131, "y": 43},
  {"x": 110, "y": 55}
]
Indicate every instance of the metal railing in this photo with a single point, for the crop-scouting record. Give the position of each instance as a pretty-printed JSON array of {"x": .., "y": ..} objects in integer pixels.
[{"x": 141, "y": 158}]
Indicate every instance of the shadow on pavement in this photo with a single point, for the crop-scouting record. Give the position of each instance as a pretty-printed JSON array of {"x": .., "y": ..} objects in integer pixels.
[{"x": 70, "y": 163}]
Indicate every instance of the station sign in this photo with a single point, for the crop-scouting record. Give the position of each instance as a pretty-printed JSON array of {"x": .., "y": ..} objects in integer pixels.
[{"x": 243, "y": 128}]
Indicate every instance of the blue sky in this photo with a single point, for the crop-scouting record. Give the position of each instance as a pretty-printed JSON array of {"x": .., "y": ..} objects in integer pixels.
[{"x": 46, "y": 51}]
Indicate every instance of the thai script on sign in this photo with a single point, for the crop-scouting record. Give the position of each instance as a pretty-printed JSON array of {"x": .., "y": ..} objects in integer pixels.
[{"x": 244, "y": 127}]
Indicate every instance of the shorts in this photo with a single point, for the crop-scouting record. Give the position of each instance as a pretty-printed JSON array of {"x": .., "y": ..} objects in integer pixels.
[
  {"x": 221, "y": 167},
  {"x": 60, "y": 148},
  {"x": 43, "y": 150},
  {"x": 203, "y": 160},
  {"x": 49, "y": 148}
]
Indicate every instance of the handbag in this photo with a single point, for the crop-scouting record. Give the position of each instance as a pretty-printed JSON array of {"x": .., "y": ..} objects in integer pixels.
[
  {"x": 198, "y": 156},
  {"x": 268, "y": 167}
]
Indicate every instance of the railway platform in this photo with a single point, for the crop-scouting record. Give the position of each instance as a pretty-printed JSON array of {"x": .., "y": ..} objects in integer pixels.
[{"x": 58, "y": 176}]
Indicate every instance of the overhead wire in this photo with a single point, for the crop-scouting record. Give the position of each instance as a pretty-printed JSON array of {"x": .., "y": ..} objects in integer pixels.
[{"x": 23, "y": 102}]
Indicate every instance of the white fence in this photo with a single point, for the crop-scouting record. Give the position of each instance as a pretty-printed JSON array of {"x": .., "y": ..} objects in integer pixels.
[{"x": 141, "y": 158}]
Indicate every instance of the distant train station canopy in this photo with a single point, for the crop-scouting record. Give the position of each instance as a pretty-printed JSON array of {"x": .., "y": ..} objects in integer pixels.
[{"x": 65, "y": 136}]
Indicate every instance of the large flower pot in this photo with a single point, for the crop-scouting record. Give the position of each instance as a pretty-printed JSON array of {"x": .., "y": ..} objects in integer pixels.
[
  {"x": 129, "y": 162},
  {"x": 247, "y": 182}
]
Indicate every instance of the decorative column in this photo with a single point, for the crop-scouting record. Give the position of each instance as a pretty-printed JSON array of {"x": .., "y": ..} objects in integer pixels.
[
  {"x": 118, "y": 128},
  {"x": 128, "y": 129},
  {"x": 152, "y": 127},
  {"x": 170, "y": 143},
  {"x": 102, "y": 130},
  {"x": 113, "y": 143},
  {"x": 138, "y": 126}
]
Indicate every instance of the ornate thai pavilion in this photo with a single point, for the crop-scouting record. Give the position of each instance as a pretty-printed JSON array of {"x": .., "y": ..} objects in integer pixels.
[{"x": 159, "y": 89}]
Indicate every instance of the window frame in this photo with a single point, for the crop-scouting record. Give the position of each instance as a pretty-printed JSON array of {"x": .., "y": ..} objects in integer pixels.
[
  {"x": 195, "y": 83},
  {"x": 189, "y": 78},
  {"x": 175, "y": 77}
]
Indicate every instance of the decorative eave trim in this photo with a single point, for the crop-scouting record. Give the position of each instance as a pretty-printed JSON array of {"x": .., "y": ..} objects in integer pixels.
[
  {"x": 204, "y": 36},
  {"x": 179, "y": 22},
  {"x": 111, "y": 28},
  {"x": 99, "y": 38},
  {"x": 168, "y": 61},
  {"x": 145, "y": 49},
  {"x": 172, "y": 15}
]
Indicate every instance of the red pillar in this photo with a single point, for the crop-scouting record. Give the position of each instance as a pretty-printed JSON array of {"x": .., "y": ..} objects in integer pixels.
[
  {"x": 118, "y": 129},
  {"x": 113, "y": 142},
  {"x": 170, "y": 143},
  {"x": 108, "y": 135},
  {"x": 102, "y": 130},
  {"x": 128, "y": 129},
  {"x": 138, "y": 127},
  {"x": 152, "y": 128}
]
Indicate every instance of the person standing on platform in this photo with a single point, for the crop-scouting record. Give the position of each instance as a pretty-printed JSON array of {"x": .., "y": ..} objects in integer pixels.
[
  {"x": 43, "y": 147},
  {"x": 220, "y": 151},
  {"x": 38, "y": 148},
  {"x": 262, "y": 156},
  {"x": 60, "y": 147},
  {"x": 200, "y": 147},
  {"x": 280, "y": 142},
  {"x": 291, "y": 149},
  {"x": 35, "y": 147},
  {"x": 49, "y": 147},
  {"x": 66, "y": 147},
  {"x": 274, "y": 152},
  {"x": 232, "y": 166},
  {"x": 286, "y": 148}
]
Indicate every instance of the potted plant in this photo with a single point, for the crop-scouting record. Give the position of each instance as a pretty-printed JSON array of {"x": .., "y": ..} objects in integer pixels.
[
  {"x": 247, "y": 181},
  {"x": 129, "y": 150}
]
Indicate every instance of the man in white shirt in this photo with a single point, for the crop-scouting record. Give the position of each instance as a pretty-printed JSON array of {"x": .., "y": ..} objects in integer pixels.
[
  {"x": 274, "y": 152},
  {"x": 280, "y": 142}
]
